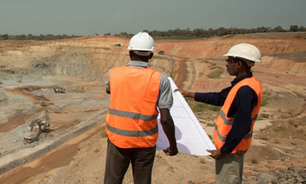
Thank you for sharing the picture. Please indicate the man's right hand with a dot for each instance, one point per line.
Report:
(169, 129)
(185, 93)
(171, 152)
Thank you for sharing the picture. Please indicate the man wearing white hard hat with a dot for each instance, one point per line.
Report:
(131, 124)
(240, 106)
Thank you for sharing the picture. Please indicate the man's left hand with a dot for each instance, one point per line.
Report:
(216, 154)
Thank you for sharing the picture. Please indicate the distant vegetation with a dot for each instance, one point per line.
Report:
(33, 37)
(169, 34)
(202, 33)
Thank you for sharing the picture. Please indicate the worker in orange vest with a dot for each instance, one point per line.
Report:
(138, 94)
(240, 105)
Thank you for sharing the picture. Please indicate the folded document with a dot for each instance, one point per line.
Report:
(191, 138)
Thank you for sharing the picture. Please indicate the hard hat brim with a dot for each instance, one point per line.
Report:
(142, 53)
(141, 49)
(243, 57)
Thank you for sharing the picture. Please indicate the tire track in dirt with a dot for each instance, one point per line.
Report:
(184, 73)
(180, 73)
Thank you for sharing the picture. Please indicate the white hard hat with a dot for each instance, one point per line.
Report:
(142, 41)
(245, 51)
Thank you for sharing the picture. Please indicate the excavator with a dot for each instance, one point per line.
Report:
(37, 127)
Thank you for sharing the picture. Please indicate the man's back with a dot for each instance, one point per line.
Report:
(131, 122)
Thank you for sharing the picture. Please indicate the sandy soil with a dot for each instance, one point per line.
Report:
(74, 151)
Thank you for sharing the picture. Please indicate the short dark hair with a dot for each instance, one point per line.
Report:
(142, 58)
(244, 61)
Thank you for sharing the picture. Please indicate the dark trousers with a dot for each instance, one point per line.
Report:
(118, 161)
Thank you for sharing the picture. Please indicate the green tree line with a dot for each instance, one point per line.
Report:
(202, 33)
(171, 34)
(33, 37)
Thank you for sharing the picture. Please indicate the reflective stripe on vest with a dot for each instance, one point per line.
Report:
(131, 119)
(132, 115)
(132, 133)
(224, 123)
(230, 122)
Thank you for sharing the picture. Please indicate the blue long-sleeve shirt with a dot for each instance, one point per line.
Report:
(241, 110)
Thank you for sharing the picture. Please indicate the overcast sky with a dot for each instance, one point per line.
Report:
(87, 17)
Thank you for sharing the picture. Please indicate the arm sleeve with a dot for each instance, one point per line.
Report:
(107, 84)
(212, 98)
(165, 98)
(245, 100)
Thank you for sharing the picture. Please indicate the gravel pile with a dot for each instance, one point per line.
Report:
(291, 175)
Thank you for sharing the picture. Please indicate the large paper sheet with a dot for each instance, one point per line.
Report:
(191, 138)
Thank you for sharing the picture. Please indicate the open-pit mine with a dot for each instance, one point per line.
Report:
(62, 82)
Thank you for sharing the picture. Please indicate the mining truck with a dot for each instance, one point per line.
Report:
(58, 89)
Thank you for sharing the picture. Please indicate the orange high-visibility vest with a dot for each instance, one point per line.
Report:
(224, 123)
(131, 121)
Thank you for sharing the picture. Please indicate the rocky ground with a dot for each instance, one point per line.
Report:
(74, 151)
